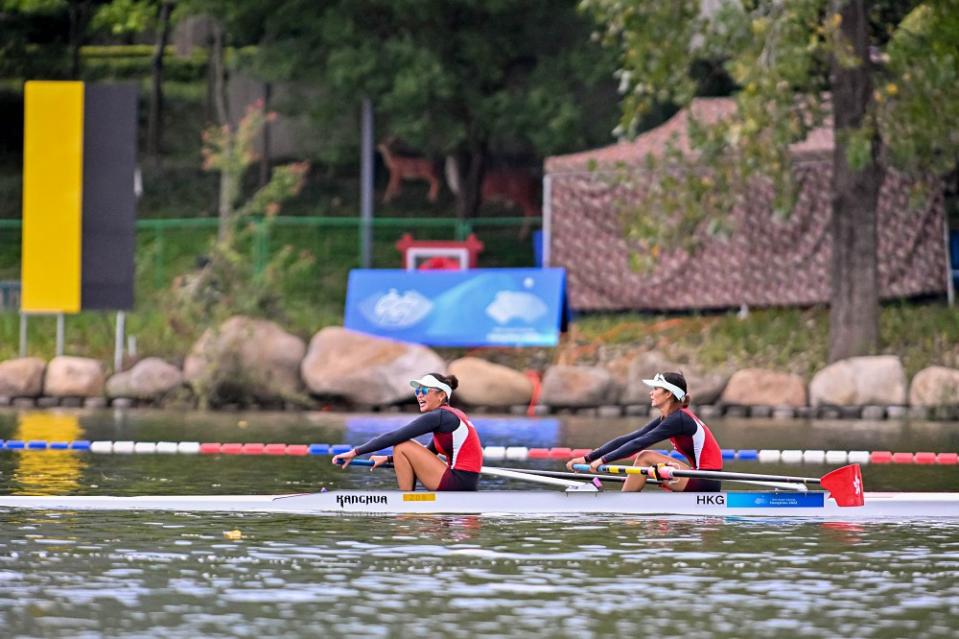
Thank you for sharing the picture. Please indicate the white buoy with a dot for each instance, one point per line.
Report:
(124, 448)
(518, 453)
(768, 456)
(836, 456)
(494, 452)
(101, 447)
(791, 456)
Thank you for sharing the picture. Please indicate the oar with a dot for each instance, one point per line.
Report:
(844, 484)
(516, 473)
(566, 475)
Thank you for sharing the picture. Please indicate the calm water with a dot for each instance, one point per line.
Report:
(180, 575)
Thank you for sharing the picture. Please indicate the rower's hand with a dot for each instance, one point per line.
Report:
(378, 460)
(595, 464)
(344, 458)
(573, 461)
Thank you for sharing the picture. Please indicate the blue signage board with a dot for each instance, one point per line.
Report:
(476, 307)
(774, 500)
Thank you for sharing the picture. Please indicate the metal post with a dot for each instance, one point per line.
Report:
(118, 342)
(158, 271)
(366, 184)
(950, 288)
(547, 216)
(60, 330)
(23, 334)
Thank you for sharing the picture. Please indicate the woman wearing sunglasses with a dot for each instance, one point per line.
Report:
(688, 434)
(453, 436)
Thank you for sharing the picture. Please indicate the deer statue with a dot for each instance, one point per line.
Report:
(512, 186)
(404, 167)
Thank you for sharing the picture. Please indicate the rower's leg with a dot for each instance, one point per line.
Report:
(651, 458)
(412, 461)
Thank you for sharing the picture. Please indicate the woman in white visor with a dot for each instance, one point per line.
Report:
(453, 436)
(675, 422)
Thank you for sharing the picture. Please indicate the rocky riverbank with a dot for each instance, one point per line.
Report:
(255, 363)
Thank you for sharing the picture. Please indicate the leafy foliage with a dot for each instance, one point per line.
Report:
(228, 282)
(448, 75)
(779, 54)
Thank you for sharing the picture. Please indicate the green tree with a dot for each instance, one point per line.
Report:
(891, 71)
(454, 78)
(121, 17)
(63, 22)
(230, 282)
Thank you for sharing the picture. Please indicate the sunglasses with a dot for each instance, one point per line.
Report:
(421, 390)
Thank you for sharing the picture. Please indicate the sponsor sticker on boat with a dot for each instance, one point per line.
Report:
(774, 500)
(419, 497)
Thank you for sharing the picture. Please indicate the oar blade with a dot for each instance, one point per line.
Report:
(845, 485)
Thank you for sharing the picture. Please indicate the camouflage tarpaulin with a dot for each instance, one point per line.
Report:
(765, 262)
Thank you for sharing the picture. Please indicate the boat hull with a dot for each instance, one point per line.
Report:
(726, 504)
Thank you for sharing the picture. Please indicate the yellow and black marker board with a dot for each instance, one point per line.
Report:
(79, 206)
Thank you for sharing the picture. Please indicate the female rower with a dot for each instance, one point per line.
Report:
(453, 436)
(688, 434)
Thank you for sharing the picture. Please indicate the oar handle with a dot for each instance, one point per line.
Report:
(362, 462)
(702, 474)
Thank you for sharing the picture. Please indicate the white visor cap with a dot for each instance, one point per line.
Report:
(658, 381)
(431, 382)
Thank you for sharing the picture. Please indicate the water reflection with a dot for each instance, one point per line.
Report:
(48, 472)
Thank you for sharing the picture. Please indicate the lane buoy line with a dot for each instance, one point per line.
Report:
(517, 453)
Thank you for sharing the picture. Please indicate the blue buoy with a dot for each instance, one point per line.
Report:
(319, 449)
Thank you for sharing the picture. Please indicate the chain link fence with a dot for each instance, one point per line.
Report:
(167, 248)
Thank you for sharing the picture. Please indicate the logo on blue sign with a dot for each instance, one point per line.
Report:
(774, 500)
(393, 310)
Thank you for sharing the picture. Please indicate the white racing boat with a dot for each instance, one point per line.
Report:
(842, 498)
(813, 504)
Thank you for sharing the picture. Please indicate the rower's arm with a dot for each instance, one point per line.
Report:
(671, 426)
(420, 426)
(619, 442)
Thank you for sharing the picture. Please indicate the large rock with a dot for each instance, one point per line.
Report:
(705, 387)
(73, 377)
(246, 359)
(761, 387)
(935, 386)
(150, 378)
(572, 386)
(483, 383)
(22, 377)
(860, 381)
(365, 369)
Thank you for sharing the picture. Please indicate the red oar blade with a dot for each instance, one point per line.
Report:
(845, 485)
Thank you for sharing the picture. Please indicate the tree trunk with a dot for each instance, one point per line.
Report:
(229, 187)
(266, 161)
(470, 167)
(155, 116)
(854, 302)
(78, 19)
